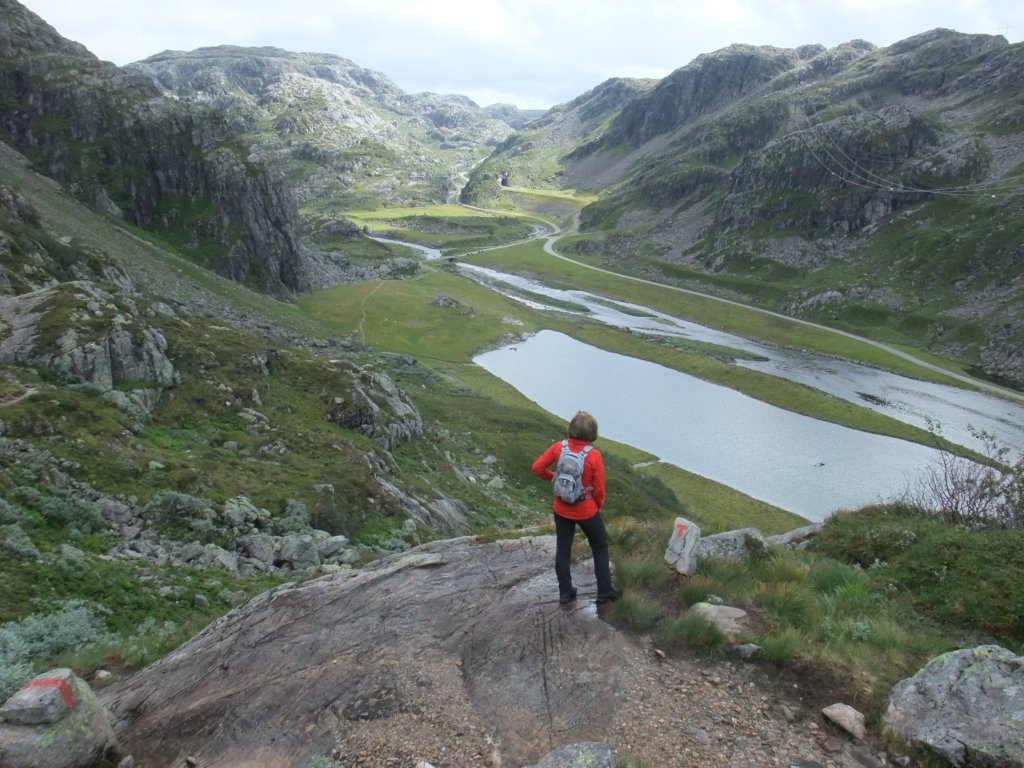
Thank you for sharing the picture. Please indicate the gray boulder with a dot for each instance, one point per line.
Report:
(240, 513)
(680, 551)
(798, 538)
(589, 754)
(731, 545)
(258, 546)
(966, 705)
(298, 552)
(730, 621)
(332, 546)
(55, 721)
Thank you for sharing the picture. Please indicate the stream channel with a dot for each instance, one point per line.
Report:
(807, 466)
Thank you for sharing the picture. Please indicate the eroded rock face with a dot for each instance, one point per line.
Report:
(279, 680)
(106, 341)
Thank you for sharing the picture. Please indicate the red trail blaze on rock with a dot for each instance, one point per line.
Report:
(54, 682)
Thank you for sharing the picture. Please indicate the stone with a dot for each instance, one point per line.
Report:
(41, 701)
(679, 553)
(729, 620)
(847, 718)
(731, 545)
(79, 738)
(115, 511)
(218, 557)
(332, 546)
(588, 754)
(259, 546)
(748, 650)
(298, 552)
(966, 705)
(465, 608)
(798, 538)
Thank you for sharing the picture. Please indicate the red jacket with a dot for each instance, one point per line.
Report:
(593, 479)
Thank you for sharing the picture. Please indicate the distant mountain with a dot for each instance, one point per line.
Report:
(880, 190)
(243, 158)
(177, 169)
(345, 136)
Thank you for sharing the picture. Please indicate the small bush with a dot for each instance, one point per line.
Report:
(174, 507)
(828, 575)
(981, 495)
(9, 514)
(634, 572)
(71, 512)
(13, 675)
(789, 604)
(697, 589)
(15, 543)
(43, 637)
(783, 566)
(295, 520)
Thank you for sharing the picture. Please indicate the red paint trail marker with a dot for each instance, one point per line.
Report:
(54, 682)
(680, 527)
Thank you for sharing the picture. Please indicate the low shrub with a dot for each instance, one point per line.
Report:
(17, 544)
(43, 637)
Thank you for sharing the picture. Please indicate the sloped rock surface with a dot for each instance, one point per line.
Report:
(967, 705)
(283, 677)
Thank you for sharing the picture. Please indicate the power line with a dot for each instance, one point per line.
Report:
(851, 171)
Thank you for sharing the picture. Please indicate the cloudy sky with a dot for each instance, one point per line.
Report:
(531, 53)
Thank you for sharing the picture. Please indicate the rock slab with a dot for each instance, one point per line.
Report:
(276, 681)
(966, 705)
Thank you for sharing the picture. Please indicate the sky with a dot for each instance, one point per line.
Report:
(530, 53)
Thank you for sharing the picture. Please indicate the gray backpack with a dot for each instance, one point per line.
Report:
(568, 480)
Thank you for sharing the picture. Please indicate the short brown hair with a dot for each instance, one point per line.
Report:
(583, 427)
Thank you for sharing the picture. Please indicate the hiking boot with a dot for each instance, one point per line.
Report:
(615, 594)
(567, 597)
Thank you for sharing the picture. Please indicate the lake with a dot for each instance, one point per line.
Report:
(804, 465)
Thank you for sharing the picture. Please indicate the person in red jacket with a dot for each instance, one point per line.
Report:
(586, 513)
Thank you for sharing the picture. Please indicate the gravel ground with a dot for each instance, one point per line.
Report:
(676, 713)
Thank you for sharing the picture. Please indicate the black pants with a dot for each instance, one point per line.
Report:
(565, 532)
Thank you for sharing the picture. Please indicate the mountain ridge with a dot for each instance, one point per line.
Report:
(813, 181)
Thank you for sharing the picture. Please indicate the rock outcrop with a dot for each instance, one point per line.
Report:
(104, 341)
(966, 705)
(279, 679)
(159, 163)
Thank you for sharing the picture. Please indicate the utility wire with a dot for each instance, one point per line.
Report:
(851, 171)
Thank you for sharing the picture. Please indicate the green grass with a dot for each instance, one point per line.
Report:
(400, 316)
(879, 593)
(716, 507)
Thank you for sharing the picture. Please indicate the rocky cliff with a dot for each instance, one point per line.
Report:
(118, 143)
